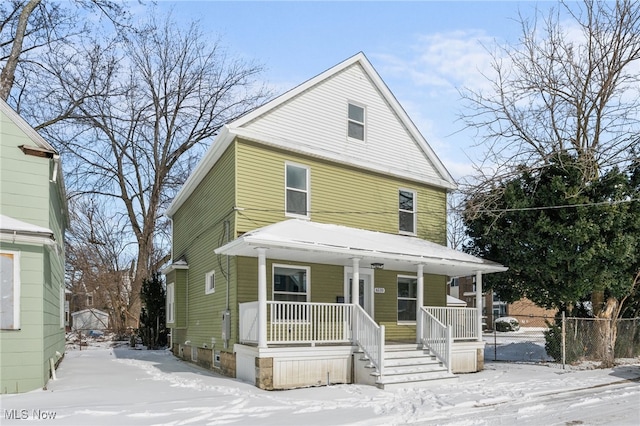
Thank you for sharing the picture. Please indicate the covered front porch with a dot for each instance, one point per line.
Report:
(325, 333)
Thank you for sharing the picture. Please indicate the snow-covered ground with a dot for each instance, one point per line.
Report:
(105, 386)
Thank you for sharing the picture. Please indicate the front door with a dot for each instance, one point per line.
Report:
(365, 289)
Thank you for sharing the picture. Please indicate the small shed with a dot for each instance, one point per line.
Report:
(89, 320)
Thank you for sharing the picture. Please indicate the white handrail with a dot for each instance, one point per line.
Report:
(369, 336)
(463, 321)
(437, 337)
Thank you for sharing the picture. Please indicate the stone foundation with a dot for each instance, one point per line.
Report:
(264, 373)
(228, 364)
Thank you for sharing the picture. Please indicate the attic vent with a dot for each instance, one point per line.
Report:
(36, 151)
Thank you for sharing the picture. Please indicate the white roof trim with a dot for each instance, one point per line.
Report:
(314, 242)
(232, 129)
(179, 264)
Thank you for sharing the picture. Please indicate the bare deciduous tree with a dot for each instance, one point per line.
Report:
(143, 108)
(99, 266)
(31, 28)
(565, 87)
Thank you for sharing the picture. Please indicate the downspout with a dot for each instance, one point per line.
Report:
(227, 231)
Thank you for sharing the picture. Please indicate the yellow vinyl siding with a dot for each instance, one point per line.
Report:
(325, 281)
(199, 228)
(386, 304)
(340, 194)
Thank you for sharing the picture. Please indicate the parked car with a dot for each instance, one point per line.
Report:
(507, 324)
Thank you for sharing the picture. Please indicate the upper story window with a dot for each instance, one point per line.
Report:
(356, 122)
(407, 211)
(210, 282)
(9, 290)
(297, 190)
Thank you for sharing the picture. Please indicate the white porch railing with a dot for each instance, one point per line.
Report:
(248, 332)
(437, 337)
(369, 336)
(463, 321)
(294, 322)
(299, 323)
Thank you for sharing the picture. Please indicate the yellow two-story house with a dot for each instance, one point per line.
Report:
(309, 245)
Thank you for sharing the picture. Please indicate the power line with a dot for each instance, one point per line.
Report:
(601, 203)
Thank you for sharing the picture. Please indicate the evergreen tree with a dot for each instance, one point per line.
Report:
(152, 317)
(564, 242)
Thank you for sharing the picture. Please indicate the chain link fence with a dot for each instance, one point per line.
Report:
(565, 341)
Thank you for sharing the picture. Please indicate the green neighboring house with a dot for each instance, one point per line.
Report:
(33, 219)
(309, 245)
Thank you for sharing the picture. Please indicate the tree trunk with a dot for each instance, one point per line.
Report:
(8, 72)
(606, 332)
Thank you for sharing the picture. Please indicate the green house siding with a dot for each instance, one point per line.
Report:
(339, 194)
(24, 179)
(28, 194)
(25, 353)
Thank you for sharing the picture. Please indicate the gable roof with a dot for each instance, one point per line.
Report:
(26, 128)
(306, 241)
(422, 164)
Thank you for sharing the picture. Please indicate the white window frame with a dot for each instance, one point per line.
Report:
(362, 123)
(398, 298)
(210, 282)
(306, 191)
(171, 296)
(273, 281)
(413, 212)
(16, 289)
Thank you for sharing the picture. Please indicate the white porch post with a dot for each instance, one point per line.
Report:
(479, 303)
(355, 282)
(419, 303)
(262, 298)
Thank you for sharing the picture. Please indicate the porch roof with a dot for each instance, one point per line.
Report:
(312, 242)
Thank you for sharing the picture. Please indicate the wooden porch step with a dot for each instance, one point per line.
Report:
(418, 380)
(410, 366)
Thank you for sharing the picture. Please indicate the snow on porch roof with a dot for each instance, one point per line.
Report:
(305, 241)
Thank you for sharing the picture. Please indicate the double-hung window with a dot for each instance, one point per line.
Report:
(210, 282)
(170, 302)
(407, 211)
(297, 190)
(355, 122)
(407, 298)
(290, 284)
(9, 290)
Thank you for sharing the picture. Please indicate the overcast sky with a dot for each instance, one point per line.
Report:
(423, 50)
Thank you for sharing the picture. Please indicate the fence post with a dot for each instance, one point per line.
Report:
(564, 340)
(495, 343)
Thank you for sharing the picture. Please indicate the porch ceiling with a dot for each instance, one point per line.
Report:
(311, 242)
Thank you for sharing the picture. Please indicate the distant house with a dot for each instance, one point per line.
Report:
(525, 311)
(309, 245)
(33, 219)
(89, 320)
